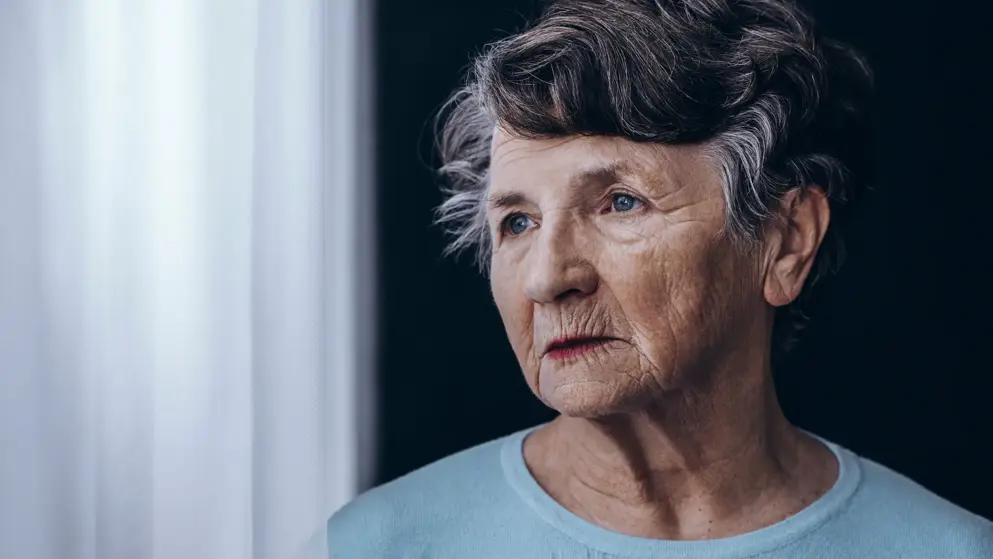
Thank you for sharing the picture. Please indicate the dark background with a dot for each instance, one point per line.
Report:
(895, 363)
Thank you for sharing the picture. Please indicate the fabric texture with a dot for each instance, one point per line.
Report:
(483, 503)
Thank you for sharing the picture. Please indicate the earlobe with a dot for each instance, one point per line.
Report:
(777, 292)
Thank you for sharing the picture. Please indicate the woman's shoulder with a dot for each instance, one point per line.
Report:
(470, 470)
(421, 502)
(906, 510)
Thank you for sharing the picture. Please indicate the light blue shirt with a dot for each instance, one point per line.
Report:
(483, 503)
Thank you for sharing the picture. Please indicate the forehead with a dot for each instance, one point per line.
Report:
(519, 163)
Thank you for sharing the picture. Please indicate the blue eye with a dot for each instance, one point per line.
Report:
(624, 203)
(517, 223)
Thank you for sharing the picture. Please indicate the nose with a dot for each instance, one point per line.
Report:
(558, 265)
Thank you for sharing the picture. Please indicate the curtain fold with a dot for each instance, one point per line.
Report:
(180, 343)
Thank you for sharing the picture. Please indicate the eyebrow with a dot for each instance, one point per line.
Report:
(596, 176)
(508, 200)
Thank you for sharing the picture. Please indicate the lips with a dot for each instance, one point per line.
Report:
(564, 348)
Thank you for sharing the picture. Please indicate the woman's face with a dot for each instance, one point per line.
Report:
(612, 247)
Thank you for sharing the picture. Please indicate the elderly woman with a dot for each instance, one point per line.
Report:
(651, 185)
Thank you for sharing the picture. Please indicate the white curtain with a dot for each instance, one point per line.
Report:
(184, 276)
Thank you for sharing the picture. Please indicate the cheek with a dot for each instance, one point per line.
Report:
(670, 295)
(515, 309)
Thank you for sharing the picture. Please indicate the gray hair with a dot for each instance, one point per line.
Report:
(777, 105)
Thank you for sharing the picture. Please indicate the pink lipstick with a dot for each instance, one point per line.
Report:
(567, 348)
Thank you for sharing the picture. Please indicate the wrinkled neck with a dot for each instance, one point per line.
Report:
(693, 458)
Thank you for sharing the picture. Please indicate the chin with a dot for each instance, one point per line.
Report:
(591, 399)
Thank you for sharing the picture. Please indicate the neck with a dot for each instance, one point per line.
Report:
(699, 463)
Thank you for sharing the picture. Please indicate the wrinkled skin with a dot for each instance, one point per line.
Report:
(661, 425)
(658, 278)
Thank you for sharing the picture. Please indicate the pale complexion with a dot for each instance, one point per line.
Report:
(669, 424)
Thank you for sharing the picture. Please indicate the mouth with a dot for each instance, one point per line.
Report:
(565, 348)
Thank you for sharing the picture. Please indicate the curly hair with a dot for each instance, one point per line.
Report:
(776, 105)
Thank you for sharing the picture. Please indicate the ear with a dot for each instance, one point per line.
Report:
(794, 240)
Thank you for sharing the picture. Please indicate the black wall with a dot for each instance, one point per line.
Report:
(895, 364)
